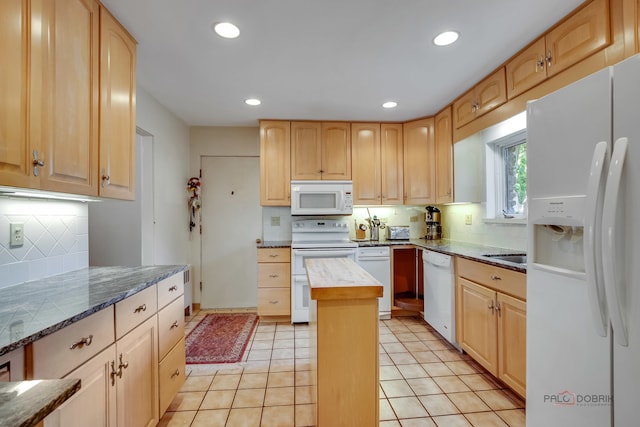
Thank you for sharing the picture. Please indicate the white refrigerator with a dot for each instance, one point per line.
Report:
(583, 276)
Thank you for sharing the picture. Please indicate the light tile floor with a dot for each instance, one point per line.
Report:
(424, 382)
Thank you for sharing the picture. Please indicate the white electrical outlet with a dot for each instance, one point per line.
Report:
(16, 234)
(275, 221)
(467, 219)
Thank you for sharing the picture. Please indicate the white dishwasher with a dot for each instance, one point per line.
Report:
(439, 295)
(376, 261)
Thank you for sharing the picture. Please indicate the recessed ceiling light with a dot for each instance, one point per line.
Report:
(252, 101)
(226, 30)
(446, 38)
(390, 104)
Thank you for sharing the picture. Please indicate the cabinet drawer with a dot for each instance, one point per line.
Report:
(55, 354)
(274, 275)
(274, 301)
(170, 326)
(135, 310)
(172, 375)
(502, 280)
(170, 289)
(274, 255)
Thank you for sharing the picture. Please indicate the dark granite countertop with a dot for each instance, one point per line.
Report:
(26, 403)
(471, 251)
(32, 310)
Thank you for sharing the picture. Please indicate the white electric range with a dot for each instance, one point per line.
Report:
(314, 238)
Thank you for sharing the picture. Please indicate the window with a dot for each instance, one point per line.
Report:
(507, 176)
(514, 160)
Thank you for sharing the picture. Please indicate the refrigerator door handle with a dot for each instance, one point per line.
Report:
(592, 256)
(609, 248)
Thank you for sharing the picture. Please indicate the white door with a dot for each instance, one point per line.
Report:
(231, 223)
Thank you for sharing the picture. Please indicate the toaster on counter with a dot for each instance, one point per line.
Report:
(397, 232)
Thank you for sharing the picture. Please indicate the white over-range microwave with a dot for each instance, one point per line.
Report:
(321, 198)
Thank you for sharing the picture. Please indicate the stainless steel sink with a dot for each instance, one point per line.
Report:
(515, 258)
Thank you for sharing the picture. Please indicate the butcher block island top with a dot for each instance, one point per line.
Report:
(343, 343)
(340, 278)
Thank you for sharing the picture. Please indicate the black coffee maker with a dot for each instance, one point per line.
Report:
(434, 229)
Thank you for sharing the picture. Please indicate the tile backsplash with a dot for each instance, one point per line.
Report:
(56, 239)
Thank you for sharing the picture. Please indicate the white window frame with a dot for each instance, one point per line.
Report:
(496, 177)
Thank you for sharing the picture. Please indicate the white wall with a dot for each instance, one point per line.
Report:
(171, 172)
(217, 141)
(56, 239)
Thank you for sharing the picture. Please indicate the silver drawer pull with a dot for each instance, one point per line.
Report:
(83, 341)
(273, 302)
(173, 288)
(494, 277)
(174, 325)
(274, 275)
(143, 307)
(176, 373)
(273, 255)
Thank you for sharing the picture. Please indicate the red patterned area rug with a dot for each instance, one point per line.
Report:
(220, 338)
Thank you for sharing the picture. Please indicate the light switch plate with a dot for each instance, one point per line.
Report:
(16, 234)
(275, 221)
(467, 219)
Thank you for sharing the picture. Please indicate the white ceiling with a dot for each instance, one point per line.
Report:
(323, 59)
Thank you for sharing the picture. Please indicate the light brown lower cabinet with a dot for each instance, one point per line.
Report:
(130, 369)
(491, 325)
(274, 281)
(95, 403)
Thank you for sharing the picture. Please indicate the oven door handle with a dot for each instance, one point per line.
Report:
(319, 252)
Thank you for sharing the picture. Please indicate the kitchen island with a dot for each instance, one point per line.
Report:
(343, 342)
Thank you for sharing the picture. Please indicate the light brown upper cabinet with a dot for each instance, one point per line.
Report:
(365, 149)
(579, 36)
(377, 169)
(306, 150)
(117, 109)
(419, 162)
(275, 163)
(392, 163)
(444, 148)
(15, 161)
(54, 143)
(61, 83)
(320, 151)
(482, 98)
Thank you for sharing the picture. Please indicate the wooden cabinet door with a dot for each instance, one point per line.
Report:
(527, 69)
(336, 151)
(64, 93)
(582, 34)
(365, 150)
(306, 150)
(464, 109)
(95, 403)
(15, 155)
(137, 387)
(392, 164)
(117, 110)
(512, 342)
(491, 92)
(419, 162)
(275, 172)
(444, 149)
(477, 332)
